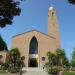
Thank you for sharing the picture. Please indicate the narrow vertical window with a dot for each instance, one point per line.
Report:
(33, 48)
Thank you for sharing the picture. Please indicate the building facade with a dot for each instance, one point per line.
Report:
(34, 45)
(3, 55)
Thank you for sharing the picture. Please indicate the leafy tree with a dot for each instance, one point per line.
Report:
(52, 64)
(71, 1)
(72, 63)
(52, 58)
(73, 55)
(60, 55)
(14, 55)
(3, 45)
(66, 62)
(15, 60)
(73, 59)
(8, 10)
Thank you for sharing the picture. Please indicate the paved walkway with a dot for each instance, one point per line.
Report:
(29, 71)
(34, 71)
(7, 74)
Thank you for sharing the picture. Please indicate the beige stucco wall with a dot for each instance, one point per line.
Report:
(3, 53)
(45, 44)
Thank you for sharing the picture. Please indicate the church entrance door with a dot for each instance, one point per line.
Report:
(33, 62)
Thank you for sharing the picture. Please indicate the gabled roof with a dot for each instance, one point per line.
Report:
(35, 31)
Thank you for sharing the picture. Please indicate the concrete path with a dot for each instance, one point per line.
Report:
(7, 74)
(34, 71)
(30, 71)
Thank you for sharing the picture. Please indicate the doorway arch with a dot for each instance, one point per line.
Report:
(33, 47)
(33, 52)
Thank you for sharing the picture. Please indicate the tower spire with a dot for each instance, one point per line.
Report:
(53, 29)
(51, 5)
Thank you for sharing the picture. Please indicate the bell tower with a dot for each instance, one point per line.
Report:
(53, 29)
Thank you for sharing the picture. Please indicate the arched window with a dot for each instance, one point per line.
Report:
(33, 47)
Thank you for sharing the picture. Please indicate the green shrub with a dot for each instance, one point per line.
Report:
(13, 70)
(48, 69)
(5, 66)
(55, 70)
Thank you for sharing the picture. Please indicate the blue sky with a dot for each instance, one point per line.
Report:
(34, 15)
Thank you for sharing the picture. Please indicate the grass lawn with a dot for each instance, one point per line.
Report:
(68, 73)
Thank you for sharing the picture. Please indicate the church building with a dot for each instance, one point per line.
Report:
(34, 45)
